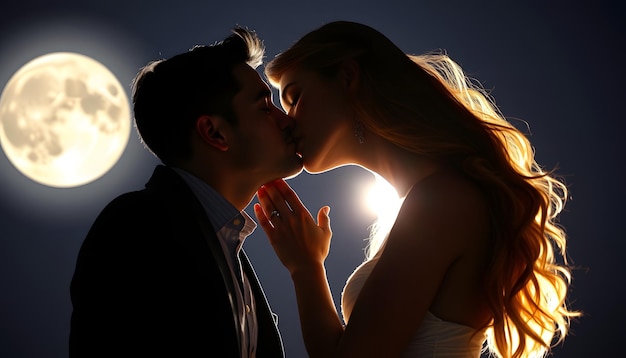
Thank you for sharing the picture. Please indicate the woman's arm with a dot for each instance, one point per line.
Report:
(302, 246)
(433, 229)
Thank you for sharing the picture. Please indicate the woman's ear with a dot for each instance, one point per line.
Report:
(211, 131)
(349, 74)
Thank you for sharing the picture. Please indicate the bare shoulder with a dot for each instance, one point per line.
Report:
(448, 190)
(439, 243)
(447, 205)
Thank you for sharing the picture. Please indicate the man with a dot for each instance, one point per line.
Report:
(161, 272)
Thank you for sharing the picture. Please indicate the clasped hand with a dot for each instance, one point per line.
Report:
(297, 239)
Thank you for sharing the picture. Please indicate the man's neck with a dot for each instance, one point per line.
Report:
(234, 187)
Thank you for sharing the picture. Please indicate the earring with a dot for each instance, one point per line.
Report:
(359, 132)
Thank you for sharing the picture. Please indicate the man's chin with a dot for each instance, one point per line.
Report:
(317, 170)
(294, 174)
(293, 169)
(310, 171)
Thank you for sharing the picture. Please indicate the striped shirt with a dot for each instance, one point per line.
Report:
(232, 227)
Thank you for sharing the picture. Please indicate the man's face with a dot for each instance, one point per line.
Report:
(261, 142)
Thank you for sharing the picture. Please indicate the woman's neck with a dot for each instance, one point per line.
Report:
(401, 168)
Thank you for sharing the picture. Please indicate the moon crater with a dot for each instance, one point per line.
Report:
(65, 119)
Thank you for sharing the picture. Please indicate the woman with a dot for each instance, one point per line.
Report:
(470, 256)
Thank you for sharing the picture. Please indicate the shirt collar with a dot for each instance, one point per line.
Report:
(219, 210)
(241, 226)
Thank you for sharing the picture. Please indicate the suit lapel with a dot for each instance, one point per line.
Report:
(270, 342)
(201, 242)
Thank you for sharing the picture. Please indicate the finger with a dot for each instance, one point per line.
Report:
(278, 199)
(269, 201)
(262, 218)
(290, 196)
(323, 219)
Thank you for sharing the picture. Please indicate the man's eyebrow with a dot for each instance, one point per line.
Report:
(263, 94)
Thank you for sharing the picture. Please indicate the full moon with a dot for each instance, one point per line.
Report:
(64, 120)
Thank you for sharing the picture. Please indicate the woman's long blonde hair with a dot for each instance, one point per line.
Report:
(426, 104)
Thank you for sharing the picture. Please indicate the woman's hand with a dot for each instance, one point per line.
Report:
(298, 241)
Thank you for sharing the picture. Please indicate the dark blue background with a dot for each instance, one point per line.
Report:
(555, 64)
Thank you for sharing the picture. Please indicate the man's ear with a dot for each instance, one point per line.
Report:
(349, 74)
(211, 130)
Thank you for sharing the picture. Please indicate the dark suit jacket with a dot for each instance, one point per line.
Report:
(150, 282)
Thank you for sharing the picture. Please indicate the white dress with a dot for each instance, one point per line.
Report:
(435, 338)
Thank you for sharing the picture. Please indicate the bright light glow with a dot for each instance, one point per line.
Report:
(383, 201)
(64, 119)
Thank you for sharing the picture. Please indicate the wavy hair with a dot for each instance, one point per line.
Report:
(427, 105)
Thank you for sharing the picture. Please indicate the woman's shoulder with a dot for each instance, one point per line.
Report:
(448, 203)
(446, 191)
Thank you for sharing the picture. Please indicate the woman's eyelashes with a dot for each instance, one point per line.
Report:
(294, 100)
(291, 103)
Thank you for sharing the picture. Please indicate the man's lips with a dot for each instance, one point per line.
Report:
(297, 148)
(290, 139)
(296, 140)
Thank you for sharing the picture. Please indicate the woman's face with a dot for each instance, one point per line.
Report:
(324, 124)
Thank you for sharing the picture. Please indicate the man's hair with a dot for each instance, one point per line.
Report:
(169, 95)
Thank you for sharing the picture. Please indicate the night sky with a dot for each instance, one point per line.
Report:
(556, 66)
